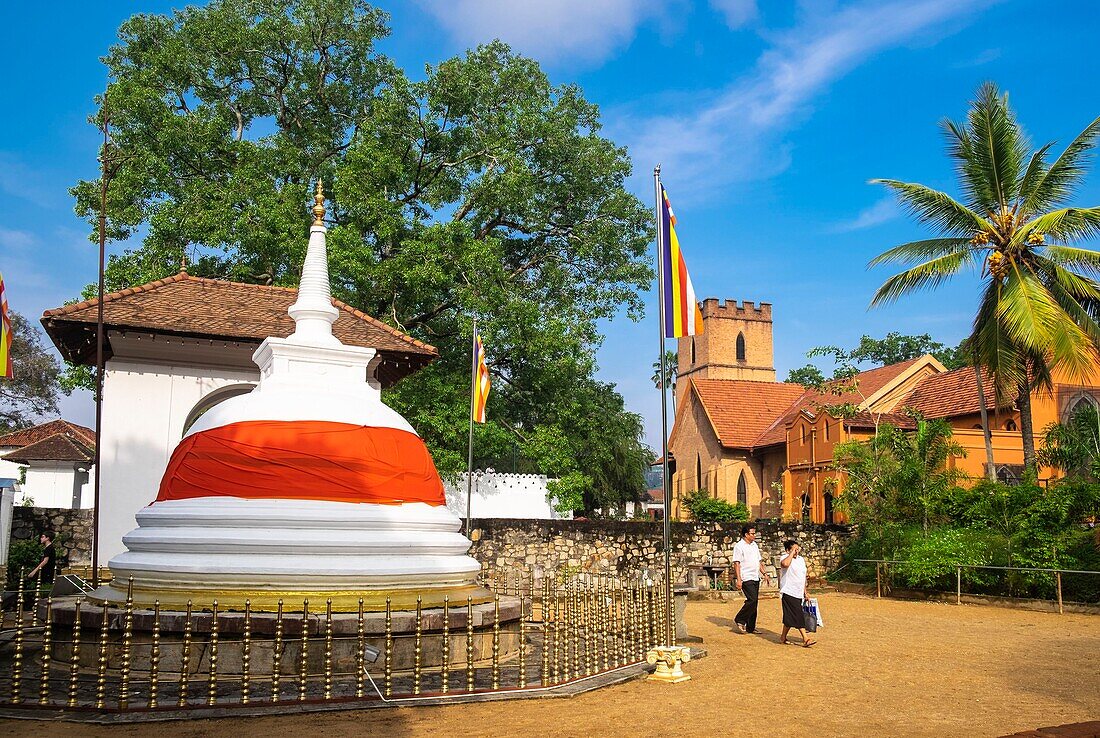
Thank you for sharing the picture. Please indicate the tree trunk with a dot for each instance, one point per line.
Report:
(1027, 432)
(990, 470)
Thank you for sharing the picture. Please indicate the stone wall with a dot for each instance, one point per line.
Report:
(608, 546)
(71, 528)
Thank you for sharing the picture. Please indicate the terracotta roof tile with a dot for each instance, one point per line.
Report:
(869, 382)
(950, 394)
(211, 308)
(58, 447)
(27, 436)
(870, 420)
(740, 409)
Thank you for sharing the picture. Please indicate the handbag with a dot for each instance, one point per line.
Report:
(812, 614)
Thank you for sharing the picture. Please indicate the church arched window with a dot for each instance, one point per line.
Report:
(693, 350)
(742, 490)
(741, 347)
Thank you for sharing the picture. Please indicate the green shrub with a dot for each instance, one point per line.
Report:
(22, 556)
(704, 508)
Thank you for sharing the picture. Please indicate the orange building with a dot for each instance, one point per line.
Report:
(744, 437)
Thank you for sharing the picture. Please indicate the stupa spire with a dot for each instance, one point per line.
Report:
(313, 311)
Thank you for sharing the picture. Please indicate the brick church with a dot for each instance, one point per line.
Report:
(744, 437)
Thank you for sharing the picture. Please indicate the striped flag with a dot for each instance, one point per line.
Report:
(682, 314)
(481, 381)
(6, 369)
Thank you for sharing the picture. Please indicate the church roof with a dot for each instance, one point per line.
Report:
(58, 447)
(950, 394)
(748, 414)
(195, 307)
(740, 410)
(27, 436)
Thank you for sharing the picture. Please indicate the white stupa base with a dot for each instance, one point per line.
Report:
(232, 550)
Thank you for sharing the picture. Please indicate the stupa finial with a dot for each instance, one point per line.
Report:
(319, 205)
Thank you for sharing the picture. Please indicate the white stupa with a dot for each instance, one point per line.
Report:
(309, 487)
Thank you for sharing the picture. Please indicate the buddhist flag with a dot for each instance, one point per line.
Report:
(682, 314)
(481, 380)
(5, 334)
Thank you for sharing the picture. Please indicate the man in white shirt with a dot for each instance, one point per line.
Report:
(747, 572)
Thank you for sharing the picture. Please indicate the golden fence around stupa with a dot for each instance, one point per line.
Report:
(569, 628)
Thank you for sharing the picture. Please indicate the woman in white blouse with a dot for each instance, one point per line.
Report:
(792, 588)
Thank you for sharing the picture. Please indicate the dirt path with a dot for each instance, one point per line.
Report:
(881, 668)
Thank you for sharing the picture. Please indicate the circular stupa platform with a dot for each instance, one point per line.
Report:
(262, 627)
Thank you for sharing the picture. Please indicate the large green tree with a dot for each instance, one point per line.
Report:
(480, 188)
(1039, 305)
(33, 390)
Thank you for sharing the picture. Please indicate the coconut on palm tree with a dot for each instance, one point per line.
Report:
(1040, 300)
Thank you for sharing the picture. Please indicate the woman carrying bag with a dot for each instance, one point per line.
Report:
(792, 589)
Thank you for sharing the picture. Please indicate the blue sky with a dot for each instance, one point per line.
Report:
(767, 117)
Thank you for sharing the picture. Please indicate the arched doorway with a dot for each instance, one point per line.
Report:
(212, 399)
(828, 508)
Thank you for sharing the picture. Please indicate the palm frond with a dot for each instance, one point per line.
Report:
(991, 348)
(1065, 174)
(935, 208)
(997, 144)
(1070, 256)
(1036, 324)
(1065, 225)
(1035, 172)
(925, 249)
(927, 275)
(971, 176)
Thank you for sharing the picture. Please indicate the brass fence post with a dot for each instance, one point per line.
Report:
(544, 675)
(185, 658)
(154, 656)
(303, 665)
(212, 684)
(496, 643)
(328, 650)
(469, 644)
(575, 626)
(127, 642)
(445, 648)
(360, 651)
(388, 667)
(37, 597)
(101, 674)
(74, 656)
(246, 654)
(277, 652)
(522, 644)
(417, 631)
(17, 658)
(47, 633)
(555, 662)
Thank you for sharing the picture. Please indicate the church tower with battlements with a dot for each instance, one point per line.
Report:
(736, 343)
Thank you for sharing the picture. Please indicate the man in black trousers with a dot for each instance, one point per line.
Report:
(747, 572)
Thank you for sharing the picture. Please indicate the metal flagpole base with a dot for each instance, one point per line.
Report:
(668, 660)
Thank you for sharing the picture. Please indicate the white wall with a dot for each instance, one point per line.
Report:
(9, 469)
(50, 483)
(503, 496)
(149, 388)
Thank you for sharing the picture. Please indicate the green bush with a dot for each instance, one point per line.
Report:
(704, 508)
(22, 556)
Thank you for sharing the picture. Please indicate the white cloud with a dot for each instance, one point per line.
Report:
(738, 13)
(882, 211)
(548, 30)
(735, 134)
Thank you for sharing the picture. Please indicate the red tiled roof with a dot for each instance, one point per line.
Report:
(741, 409)
(870, 420)
(58, 447)
(950, 394)
(27, 436)
(868, 383)
(233, 311)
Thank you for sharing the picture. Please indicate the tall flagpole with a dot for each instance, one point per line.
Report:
(470, 459)
(670, 633)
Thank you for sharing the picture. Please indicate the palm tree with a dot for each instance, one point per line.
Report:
(671, 364)
(1074, 446)
(923, 471)
(1040, 300)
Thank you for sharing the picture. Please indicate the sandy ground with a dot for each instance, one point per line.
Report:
(880, 668)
